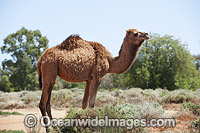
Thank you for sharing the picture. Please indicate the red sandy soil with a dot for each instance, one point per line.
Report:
(16, 122)
(183, 122)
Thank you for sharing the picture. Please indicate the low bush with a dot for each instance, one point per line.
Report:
(132, 95)
(104, 98)
(73, 97)
(195, 108)
(101, 112)
(151, 110)
(128, 110)
(11, 131)
(61, 98)
(195, 126)
(180, 96)
(185, 116)
(9, 113)
(153, 94)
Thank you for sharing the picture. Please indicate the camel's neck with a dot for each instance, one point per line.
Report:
(126, 58)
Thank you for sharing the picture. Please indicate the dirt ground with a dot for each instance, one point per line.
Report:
(183, 120)
(15, 122)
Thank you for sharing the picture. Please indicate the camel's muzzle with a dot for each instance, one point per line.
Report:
(145, 36)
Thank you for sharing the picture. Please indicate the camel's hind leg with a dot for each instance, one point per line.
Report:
(44, 99)
(93, 91)
(49, 74)
(48, 106)
(86, 95)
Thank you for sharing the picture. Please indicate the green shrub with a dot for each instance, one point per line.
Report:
(118, 111)
(61, 97)
(149, 94)
(101, 112)
(151, 110)
(146, 110)
(132, 95)
(128, 110)
(104, 98)
(114, 89)
(11, 131)
(9, 113)
(165, 92)
(69, 85)
(180, 96)
(116, 92)
(28, 100)
(5, 84)
(195, 126)
(192, 107)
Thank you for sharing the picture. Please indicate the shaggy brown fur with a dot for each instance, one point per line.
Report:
(77, 60)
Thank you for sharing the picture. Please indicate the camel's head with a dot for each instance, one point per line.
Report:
(136, 37)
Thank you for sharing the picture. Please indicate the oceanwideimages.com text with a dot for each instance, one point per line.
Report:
(101, 122)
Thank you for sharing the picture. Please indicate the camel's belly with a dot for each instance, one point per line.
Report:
(76, 66)
(74, 76)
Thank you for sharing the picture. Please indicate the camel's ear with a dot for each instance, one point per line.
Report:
(128, 32)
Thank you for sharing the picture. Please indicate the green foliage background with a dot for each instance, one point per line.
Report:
(20, 72)
(163, 62)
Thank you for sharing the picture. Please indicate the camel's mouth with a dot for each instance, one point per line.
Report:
(145, 36)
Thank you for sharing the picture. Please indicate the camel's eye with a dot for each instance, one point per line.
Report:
(135, 33)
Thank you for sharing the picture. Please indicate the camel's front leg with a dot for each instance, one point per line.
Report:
(93, 91)
(86, 95)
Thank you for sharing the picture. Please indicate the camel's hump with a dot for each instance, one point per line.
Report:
(73, 37)
(70, 42)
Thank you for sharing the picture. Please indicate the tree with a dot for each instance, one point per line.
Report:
(5, 84)
(25, 47)
(197, 61)
(164, 62)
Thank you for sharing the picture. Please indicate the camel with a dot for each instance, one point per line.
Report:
(78, 60)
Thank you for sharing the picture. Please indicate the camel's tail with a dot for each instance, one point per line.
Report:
(39, 73)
